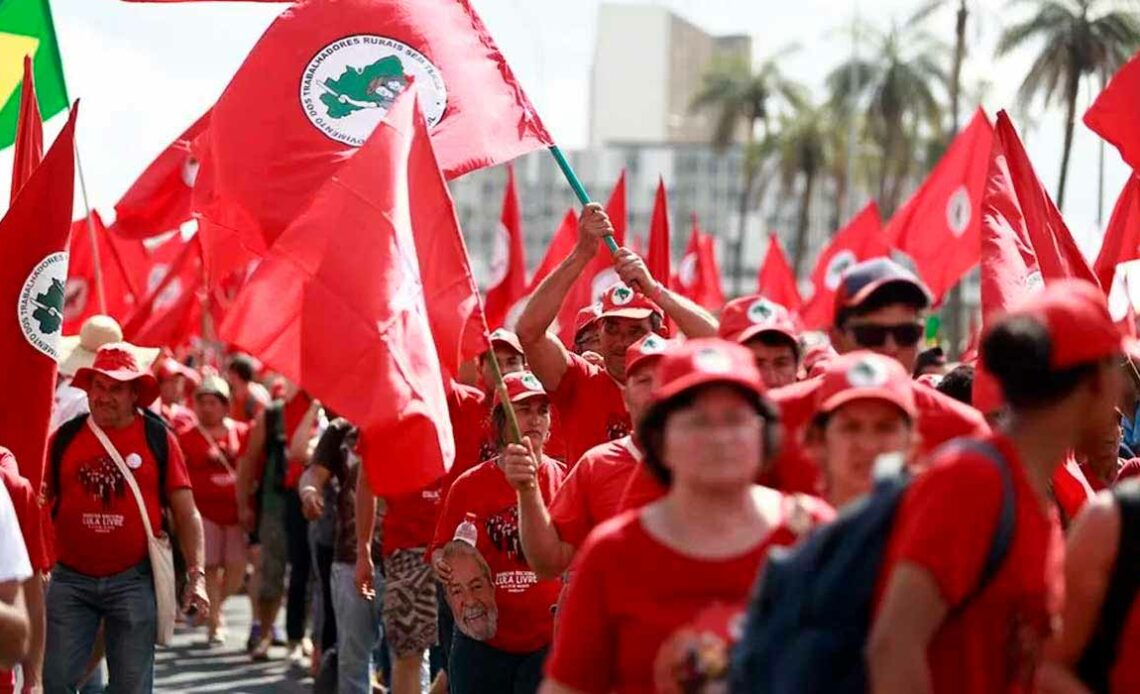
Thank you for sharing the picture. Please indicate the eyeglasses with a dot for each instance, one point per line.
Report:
(874, 335)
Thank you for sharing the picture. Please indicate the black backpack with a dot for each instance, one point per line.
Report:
(156, 440)
(1096, 663)
(807, 624)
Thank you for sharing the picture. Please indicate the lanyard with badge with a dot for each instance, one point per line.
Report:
(216, 450)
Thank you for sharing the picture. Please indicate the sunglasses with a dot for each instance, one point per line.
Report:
(872, 335)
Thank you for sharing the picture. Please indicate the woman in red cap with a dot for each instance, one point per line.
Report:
(657, 588)
(504, 617)
(941, 627)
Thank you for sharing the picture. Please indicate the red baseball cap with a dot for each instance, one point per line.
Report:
(703, 361)
(521, 385)
(744, 318)
(863, 279)
(647, 350)
(503, 336)
(117, 361)
(1076, 316)
(586, 317)
(864, 375)
(170, 368)
(817, 357)
(619, 301)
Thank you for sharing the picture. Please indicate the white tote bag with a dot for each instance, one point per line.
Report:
(161, 555)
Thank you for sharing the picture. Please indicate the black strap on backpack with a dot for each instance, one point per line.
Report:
(1100, 654)
(275, 447)
(155, 430)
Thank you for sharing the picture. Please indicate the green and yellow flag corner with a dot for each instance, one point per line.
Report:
(26, 29)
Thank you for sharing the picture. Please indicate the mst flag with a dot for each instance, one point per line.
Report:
(776, 281)
(658, 258)
(33, 243)
(320, 80)
(508, 259)
(26, 29)
(29, 134)
(698, 276)
(351, 318)
(560, 246)
(940, 226)
(122, 264)
(1115, 115)
(1122, 237)
(862, 239)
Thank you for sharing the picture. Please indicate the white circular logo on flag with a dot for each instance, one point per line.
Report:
(39, 307)
(351, 83)
(1035, 281)
(500, 256)
(687, 273)
(836, 268)
(959, 211)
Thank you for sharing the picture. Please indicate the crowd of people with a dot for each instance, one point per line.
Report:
(614, 505)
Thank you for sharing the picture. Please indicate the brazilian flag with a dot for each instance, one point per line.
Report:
(26, 29)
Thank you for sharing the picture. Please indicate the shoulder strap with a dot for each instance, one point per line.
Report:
(215, 448)
(1003, 534)
(63, 438)
(158, 441)
(124, 471)
(1101, 651)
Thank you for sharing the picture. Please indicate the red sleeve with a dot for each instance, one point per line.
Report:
(793, 471)
(947, 521)
(177, 477)
(584, 653)
(577, 371)
(569, 510)
(1071, 493)
(941, 418)
(448, 516)
(30, 518)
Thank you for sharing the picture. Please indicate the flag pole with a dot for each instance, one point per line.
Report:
(514, 433)
(579, 189)
(99, 292)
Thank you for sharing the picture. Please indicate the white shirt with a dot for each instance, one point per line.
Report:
(14, 562)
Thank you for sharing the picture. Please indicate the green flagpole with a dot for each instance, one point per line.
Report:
(579, 189)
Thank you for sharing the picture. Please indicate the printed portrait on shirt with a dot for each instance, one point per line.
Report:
(471, 591)
(696, 657)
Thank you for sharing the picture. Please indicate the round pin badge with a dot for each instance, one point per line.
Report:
(134, 461)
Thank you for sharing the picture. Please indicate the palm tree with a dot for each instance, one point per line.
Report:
(1078, 38)
(804, 143)
(741, 97)
(899, 84)
(961, 16)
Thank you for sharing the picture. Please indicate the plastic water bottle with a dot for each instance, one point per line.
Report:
(466, 531)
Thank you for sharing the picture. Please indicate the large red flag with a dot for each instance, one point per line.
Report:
(600, 273)
(1115, 115)
(351, 310)
(33, 243)
(120, 261)
(319, 81)
(862, 239)
(560, 246)
(698, 275)
(658, 258)
(940, 226)
(159, 201)
(776, 281)
(29, 133)
(1122, 237)
(166, 316)
(508, 261)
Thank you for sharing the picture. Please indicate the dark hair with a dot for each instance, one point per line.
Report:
(959, 384)
(655, 322)
(927, 358)
(499, 426)
(771, 338)
(651, 430)
(242, 365)
(889, 294)
(1017, 351)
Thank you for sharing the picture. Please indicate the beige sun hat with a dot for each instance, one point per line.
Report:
(78, 351)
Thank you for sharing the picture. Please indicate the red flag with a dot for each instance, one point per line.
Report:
(776, 281)
(600, 273)
(940, 226)
(1115, 115)
(29, 133)
(862, 239)
(1122, 238)
(698, 276)
(159, 201)
(320, 80)
(508, 263)
(658, 259)
(351, 321)
(33, 243)
(120, 262)
(560, 246)
(165, 317)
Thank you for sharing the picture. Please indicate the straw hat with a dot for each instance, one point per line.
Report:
(78, 351)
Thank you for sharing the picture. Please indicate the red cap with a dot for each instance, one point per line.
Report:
(116, 361)
(865, 375)
(169, 368)
(744, 318)
(619, 301)
(503, 336)
(817, 357)
(1076, 316)
(647, 350)
(703, 361)
(586, 317)
(863, 279)
(521, 385)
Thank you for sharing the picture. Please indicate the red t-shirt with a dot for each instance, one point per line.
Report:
(1124, 677)
(470, 411)
(245, 408)
(634, 604)
(98, 530)
(26, 502)
(590, 408)
(215, 487)
(940, 419)
(526, 622)
(1071, 489)
(409, 522)
(593, 491)
(180, 417)
(945, 524)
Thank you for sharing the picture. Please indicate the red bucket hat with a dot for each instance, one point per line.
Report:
(744, 318)
(865, 375)
(521, 385)
(619, 301)
(648, 350)
(117, 361)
